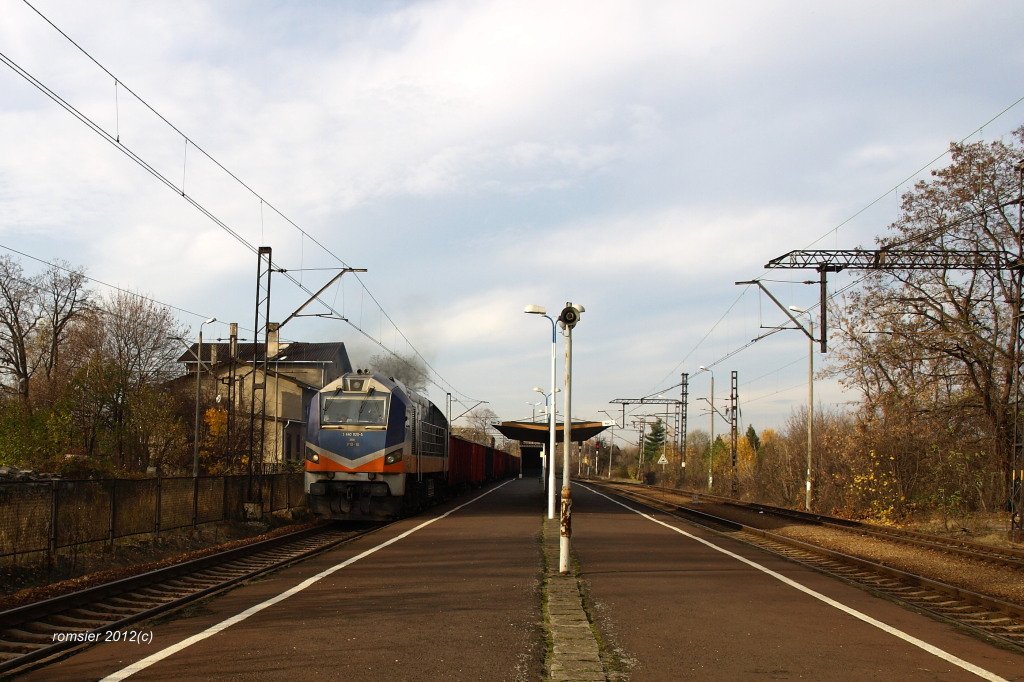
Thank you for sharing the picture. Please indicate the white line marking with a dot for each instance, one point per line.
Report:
(934, 650)
(225, 624)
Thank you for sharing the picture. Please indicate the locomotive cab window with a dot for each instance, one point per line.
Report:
(355, 409)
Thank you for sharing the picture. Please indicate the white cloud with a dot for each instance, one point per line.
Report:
(681, 242)
(477, 156)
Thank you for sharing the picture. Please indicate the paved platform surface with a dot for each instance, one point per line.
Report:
(456, 600)
(676, 609)
(471, 591)
(574, 653)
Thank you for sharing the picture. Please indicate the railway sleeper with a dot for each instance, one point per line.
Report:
(223, 574)
(158, 589)
(136, 604)
(24, 636)
(19, 647)
(187, 583)
(6, 656)
(92, 614)
(112, 609)
(68, 619)
(962, 610)
(935, 599)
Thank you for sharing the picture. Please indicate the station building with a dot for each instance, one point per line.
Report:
(294, 372)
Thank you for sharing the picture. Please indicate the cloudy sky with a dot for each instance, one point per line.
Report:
(474, 157)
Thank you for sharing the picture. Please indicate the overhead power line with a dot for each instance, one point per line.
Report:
(102, 283)
(832, 296)
(114, 139)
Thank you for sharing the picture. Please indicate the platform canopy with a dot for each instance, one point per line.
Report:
(537, 432)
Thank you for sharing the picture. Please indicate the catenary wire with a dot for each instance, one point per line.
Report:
(210, 215)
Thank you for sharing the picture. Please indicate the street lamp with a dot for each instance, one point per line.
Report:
(611, 442)
(711, 443)
(568, 319)
(550, 459)
(810, 398)
(534, 406)
(199, 369)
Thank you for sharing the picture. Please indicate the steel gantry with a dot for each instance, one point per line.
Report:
(678, 410)
(902, 260)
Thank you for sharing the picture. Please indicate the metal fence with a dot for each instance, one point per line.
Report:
(45, 516)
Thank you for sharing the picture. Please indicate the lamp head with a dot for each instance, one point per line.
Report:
(535, 310)
(211, 320)
(795, 309)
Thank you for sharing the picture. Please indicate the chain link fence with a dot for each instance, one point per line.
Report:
(45, 516)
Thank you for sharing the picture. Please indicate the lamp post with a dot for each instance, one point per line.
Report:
(199, 369)
(550, 459)
(810, 399)
(568, 319)
(534, 406)
(711, 444)
(611, 442)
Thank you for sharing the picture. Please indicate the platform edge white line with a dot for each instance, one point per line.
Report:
(910, 639)
(224, 624)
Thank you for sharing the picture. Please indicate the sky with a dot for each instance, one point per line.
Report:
(637, 158)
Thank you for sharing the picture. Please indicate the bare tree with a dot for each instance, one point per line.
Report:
(64, 296)
(139, 349)
(479, 429)
(35, 315)
(20, 318)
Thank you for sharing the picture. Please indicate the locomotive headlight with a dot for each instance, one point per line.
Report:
(312, 456)
(393, 457)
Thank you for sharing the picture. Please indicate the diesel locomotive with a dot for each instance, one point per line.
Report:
(377, 450)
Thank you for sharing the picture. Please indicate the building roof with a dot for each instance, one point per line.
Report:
(295, 352)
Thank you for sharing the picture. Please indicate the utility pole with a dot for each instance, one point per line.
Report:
(734, 399)
(683, 399)
(568, 319)
(711, 416)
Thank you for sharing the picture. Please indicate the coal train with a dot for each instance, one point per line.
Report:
(377, 450)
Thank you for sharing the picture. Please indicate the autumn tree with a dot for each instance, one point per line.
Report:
(934, 348)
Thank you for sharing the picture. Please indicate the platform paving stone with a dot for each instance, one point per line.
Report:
(575, 655)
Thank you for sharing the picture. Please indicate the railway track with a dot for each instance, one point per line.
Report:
(987, 617)
(35, 634)
(1013, 558)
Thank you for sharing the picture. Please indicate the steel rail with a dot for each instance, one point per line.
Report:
(983, 615)
(28, 634)
(1010, 557)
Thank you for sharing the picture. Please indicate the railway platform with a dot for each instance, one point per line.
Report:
(470, 591)
(452, 594)
(673, 601)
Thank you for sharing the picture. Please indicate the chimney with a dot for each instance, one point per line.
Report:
(233, 341)
(273, 339)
